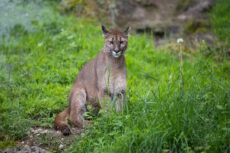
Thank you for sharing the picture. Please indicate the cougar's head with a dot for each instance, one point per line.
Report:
(116, 42)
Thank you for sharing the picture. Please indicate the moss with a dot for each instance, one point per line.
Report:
(68, 5)
(5, 142)
(196, 26)
(184, 4)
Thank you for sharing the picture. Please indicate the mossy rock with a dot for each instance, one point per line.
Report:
(196, 26)
(184, 4)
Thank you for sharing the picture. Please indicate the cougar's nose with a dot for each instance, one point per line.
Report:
(116, 49)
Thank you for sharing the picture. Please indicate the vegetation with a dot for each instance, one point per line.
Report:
(38, 67)
(221, 20)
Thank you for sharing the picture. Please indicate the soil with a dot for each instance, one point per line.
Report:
(41, 140)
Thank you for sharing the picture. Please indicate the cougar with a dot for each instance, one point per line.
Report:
(102, 78)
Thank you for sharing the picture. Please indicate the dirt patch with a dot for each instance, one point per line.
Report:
(25, 149)
(41, 140)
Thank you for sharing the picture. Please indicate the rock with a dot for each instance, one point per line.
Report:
(196, 11)
(14, 150)
(161, 18)
(201, 6)
(25, 149)
(37, 150)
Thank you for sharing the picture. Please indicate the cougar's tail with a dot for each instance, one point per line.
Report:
(60, 122)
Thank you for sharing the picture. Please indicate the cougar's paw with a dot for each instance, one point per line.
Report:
(66, 131)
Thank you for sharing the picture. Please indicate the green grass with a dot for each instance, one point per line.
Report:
(220, 20)
(38, 68)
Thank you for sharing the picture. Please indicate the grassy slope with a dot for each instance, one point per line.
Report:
(220, 20)
(38, 69)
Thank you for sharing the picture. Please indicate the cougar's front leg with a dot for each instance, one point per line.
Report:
(103, 99)
(120, 100)
(77, 107)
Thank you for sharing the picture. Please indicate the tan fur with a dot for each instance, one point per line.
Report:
(104, 77)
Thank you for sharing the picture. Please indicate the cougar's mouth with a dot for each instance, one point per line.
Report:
(116, 54)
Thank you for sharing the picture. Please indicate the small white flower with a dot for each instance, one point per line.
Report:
(180, 40)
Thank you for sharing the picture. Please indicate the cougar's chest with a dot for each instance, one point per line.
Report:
(115, 82)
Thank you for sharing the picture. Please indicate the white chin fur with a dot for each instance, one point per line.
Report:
(116, 55)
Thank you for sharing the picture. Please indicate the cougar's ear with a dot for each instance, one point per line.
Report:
(104, 30)
(127, 30)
